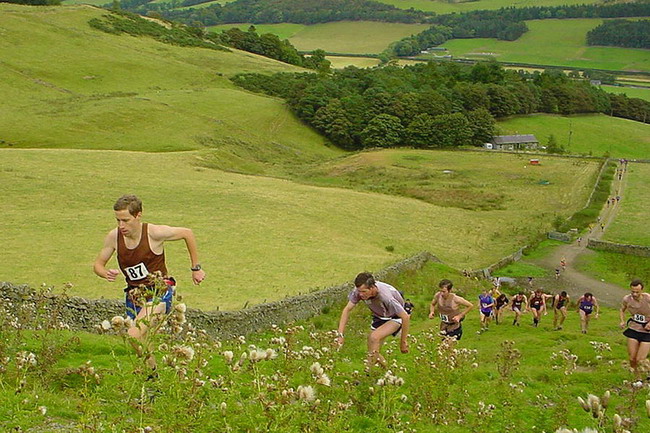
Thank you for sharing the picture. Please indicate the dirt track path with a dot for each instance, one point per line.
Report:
(572, 280)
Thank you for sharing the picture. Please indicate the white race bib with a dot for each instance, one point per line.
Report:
(639, 318)
(444, 318)
(137, 272)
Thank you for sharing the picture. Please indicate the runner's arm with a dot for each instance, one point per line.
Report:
(432, 307)
(343, 321)
(99, 267)
(621, 313)
(163, 233)
(462, 314)
(597, 306)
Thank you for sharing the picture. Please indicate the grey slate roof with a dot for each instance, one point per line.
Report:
(514, 139)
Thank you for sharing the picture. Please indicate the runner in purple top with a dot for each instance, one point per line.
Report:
(586, 305)
(388, 315)
(486, 302)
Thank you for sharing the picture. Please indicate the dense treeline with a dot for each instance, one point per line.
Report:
(280, 11)
(621, 33)
(272, 46)
(34, 2)
(268, 45)
(431, 105)
(505, 23)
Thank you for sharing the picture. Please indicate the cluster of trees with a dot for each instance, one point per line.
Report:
(279, 11)
(621, 33)
(431, 105)
(504, 24)
(272, 46)
(268, 45)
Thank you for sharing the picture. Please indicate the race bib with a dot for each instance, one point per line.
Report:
(444, 318)
(137, 272)
(639, 318)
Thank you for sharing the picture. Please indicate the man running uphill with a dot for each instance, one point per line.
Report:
(140, 253)
(388, 315)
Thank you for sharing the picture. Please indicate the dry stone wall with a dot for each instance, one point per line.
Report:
(633, 250)
(84, 314)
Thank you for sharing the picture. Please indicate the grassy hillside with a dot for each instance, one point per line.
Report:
(554, 42)
(589, 134)
(264, 238)
(631, 224)
(68, 85)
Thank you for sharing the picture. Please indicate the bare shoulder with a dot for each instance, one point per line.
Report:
(160, 232)
(111, 237)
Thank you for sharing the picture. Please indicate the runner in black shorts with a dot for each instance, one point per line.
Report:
(560, 304)
(536, 305)
(519, 305)
(500, 302)
(637, 304)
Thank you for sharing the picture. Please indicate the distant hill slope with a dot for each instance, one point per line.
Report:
(65, 84)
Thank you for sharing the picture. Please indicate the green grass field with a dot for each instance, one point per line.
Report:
(445, 7)
(631, 223)
(631, 92)
(355, 37)
(488, 387)
(285, 237)
(554, 42)
(590, 133)
(358, 37)
(339, 62)
(283, 31)
(615, 268)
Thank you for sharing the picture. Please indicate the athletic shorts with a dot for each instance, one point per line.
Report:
(643, 337)
(587, 312)
(537, 307)
(132, 310)
(487, 313)
(456, 333)
(378, 321)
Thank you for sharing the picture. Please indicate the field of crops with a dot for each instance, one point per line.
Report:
(588, 134)
(554, 42)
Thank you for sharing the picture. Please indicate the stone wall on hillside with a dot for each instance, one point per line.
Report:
(84, 314)
(487, 272)
(633, 250)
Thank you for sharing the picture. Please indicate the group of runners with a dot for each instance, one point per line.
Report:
(140, 254)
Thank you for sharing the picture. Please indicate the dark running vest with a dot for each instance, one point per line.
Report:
(138, 263)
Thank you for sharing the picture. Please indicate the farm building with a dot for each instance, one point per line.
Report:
(513, 142)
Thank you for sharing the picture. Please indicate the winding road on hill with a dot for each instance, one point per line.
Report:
(571, 279)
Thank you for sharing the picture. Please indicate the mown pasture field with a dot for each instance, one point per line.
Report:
(346, 37)
(339, 62)
(283, 30)
(631, 223)
(590, 134)
(353, 37)
(614, 268)
(630, 92)
(530, 383)
(445, 7)
(554, 42)
(264, 238)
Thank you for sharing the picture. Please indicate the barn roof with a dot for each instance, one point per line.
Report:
(514, 139)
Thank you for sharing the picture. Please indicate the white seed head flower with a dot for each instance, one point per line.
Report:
(316, 369)
(647, 407)
(323, 380)
(223, 407)
(184, 352)
(42, 410)
(584, 404)
(604, 401)
(228, 355)
(117, 322)
(594, 402)
(271, 354)
(180, 307)
(618, 421)
(306, 393)
(106, 325)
